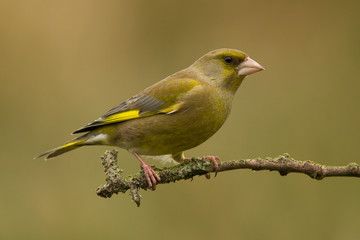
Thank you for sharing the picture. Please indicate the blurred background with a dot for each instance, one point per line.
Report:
(65, 63)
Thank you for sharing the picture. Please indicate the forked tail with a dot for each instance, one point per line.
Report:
(73, 144)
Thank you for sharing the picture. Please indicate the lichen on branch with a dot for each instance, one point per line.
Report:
(284, 164)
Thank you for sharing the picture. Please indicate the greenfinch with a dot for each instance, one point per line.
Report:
(173, 115)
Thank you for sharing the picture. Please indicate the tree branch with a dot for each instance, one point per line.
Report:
(284, 164)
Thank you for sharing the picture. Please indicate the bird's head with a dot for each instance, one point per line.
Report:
(227, 67)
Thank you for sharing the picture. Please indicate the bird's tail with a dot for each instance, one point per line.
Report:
(71, 145)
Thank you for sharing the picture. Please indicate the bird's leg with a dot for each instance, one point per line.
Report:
(180, 157)
(150, 174)
(214, 160)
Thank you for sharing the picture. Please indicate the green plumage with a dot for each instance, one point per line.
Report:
(175, 114)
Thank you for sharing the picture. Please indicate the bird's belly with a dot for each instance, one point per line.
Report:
(167, 133)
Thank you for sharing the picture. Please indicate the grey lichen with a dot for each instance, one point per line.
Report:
(284, 164)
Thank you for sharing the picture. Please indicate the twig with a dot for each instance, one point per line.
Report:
(284, 164)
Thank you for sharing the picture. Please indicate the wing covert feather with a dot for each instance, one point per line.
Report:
(163, 97)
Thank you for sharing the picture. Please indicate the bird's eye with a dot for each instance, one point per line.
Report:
(228, 59)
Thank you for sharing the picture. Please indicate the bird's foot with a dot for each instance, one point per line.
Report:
(180, 157)
(150, 174)
(214, 160)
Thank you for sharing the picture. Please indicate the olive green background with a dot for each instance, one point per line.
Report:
(65, 63)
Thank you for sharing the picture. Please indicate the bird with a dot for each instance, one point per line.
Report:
(175, 114)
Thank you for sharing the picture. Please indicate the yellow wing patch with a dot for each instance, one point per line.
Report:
(132, 114)
(123, 116)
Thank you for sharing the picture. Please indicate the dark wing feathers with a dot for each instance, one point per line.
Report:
(168, 93)
(144, 104)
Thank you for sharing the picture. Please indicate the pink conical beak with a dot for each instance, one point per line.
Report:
(249, 66)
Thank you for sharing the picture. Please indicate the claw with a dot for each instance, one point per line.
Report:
(214, 160)
(151, 176)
